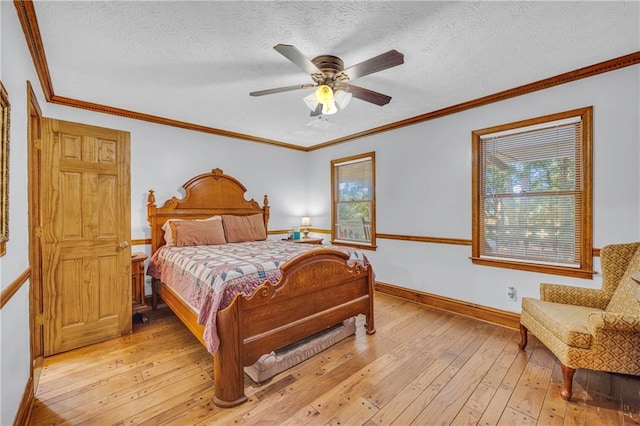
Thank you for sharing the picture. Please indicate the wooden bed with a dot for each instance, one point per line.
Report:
(316, 290)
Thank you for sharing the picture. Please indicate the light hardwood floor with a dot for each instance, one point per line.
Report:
(423, 366)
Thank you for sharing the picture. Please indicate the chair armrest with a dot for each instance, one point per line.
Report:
(569, 295)
(613, 322)
(615, 258)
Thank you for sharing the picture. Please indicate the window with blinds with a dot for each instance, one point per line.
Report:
(353, 195)
(532, 194)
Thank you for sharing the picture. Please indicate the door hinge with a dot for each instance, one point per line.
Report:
(37, 143)
(38, 232)
(40, 319)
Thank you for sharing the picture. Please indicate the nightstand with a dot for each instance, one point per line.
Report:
(139, 306)
(308, 241)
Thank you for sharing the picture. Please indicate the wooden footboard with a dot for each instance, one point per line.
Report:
(317, 290)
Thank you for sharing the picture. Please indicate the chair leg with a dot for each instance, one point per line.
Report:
(567, 386)
(523, 337)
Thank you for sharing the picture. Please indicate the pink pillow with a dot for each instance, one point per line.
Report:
(238, 229)
(197, 233)
(168, 237)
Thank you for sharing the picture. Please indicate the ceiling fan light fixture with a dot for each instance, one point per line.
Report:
(324, 94)
(329, 109)
(311, 101)
(342, 98)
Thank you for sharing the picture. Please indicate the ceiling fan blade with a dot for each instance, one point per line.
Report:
(281, 89)
(381, 62)
(368, 95)
(295, 56)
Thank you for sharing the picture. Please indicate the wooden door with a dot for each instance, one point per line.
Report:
(86, 228)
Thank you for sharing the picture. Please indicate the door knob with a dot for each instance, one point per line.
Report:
(124, 244)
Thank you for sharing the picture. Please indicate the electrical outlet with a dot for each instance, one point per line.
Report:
(512, 293)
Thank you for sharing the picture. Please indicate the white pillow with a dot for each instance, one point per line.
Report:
(168, 236)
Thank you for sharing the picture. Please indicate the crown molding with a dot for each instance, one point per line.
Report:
(29, 22)
(567, 77)
(90, 106)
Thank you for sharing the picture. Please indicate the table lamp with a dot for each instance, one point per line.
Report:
(305, 223)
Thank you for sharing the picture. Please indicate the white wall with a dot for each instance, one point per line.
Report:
(423, 187)
(16, 67)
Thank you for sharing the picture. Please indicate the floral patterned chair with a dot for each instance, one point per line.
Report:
(596, 329)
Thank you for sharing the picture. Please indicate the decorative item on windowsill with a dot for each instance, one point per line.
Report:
(305, 223)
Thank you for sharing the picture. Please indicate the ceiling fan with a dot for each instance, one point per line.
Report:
(332, 80)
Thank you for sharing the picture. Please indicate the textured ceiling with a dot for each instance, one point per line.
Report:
(198, 61)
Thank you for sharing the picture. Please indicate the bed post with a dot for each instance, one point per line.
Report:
(151, 218)
(371, 328)
(265, 212)
(228, 372)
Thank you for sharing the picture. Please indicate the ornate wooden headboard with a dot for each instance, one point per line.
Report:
(206, 195)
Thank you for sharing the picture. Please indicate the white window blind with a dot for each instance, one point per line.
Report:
(531, 186)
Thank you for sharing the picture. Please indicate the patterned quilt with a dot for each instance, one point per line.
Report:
(208, 277)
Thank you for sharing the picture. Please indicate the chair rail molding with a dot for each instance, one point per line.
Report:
(8, 292)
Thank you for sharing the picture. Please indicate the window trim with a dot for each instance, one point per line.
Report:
(334, 198)
(585, 269)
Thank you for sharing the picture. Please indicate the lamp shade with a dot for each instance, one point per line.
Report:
(311, 101)
(324, 94)
(342, 98)
(328, 109)
(305, 221)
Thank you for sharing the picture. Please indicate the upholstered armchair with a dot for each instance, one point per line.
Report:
(596, 329)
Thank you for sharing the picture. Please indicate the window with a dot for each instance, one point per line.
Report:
(353, 198)
(532, 195)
